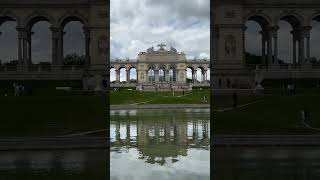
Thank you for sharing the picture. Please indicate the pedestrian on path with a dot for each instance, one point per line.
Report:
(235, 99)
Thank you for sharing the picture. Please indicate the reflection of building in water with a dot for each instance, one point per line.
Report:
(71, 161)
(157, 140)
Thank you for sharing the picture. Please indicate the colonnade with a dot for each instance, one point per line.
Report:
(204, 75)
(166, 132)
(161, 75)
(25, 45)
(301, 38)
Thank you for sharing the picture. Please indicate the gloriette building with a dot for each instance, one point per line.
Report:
(161, 70)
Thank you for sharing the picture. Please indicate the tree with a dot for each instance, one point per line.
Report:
(252, 58)
(74, 59)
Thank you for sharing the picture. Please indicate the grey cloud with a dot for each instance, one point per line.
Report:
(139, 24)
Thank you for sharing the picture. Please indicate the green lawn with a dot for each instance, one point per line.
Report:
(47, 116)
(275, 115)
(125, 97)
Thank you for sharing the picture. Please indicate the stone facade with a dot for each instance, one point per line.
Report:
(229, 19)
(162, 69)
(93, 14)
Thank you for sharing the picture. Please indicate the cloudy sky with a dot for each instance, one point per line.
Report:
(139, 24)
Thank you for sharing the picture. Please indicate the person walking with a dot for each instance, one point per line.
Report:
(235, 99)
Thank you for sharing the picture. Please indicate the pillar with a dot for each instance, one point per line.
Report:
(21, 55)
(128, 75)
(57, 46)
(29, 47)
(301, 47)
(156, 74)
(195, 76)
(294, 46)
(263, 53)
(307, 36)
(275, 45)
(205, 75)
(60, 47)
(87, 44)
(269, 50)
(167, 78)
(117, 75)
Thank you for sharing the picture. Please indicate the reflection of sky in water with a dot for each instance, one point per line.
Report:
(42, 160)
(7, 161)
(53, 163)
(73, 160)
(269, 163)
(169, 145)
(128, 166)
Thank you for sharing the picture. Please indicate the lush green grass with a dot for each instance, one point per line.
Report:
(124, 96)
(42, 116)
(275, 115)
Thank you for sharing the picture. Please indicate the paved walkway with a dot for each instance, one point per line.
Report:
(53, 143)
(239, 106)
(83, 133)
(265, 140)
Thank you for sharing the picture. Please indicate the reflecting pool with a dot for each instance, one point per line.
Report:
(278, 163)
(158, 144)
(60, 165)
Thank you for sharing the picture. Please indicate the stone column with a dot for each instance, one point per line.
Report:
(301, 47)
(21, 49)
(29, 47)
(263, 53)
(205, 76)
(307, 36)
(269, 47)
(128, 76)
(117, 76)
(25, 51)
(294, 45)
(55, 37)
(87, 44)
(60, 47)
(156, 74)
(275, 45)
(195, 76)
(167, 78)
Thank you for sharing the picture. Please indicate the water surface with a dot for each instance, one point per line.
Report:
(58, 165)
(157, 144)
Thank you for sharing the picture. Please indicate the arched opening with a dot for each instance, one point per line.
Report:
(289, 41)
(8, 42)
(133, 74)
(123, 74)
(314, 40)
(74, 43)
(189, 75)
(112, 75)
(200, 75)
(256, 40)
(172, 74)
(39, 42)
(151, 75)
(162, 77)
